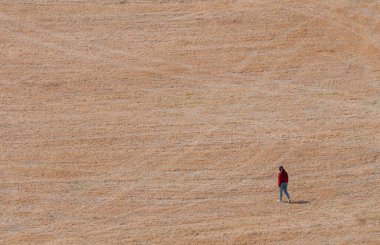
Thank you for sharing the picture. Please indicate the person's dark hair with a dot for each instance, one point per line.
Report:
(281, 168)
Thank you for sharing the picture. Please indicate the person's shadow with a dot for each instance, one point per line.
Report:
(300, 202)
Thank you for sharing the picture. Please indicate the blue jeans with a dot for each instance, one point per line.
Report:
(284, 188)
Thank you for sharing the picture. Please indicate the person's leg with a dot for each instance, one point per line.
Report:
(286, 190)
(281, 189)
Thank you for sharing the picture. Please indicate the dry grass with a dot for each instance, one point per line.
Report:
(163, 122)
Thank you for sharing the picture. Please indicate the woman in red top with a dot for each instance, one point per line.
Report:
(283, 183)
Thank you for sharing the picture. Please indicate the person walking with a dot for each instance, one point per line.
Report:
(283, 183)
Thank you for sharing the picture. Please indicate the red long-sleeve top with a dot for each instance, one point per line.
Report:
(282, 177)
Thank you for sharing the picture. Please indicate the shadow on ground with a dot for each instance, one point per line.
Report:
(300, 202)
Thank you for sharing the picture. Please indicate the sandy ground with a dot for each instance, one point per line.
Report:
(163, 122)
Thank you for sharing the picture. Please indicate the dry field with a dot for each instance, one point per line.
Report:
(163, 122)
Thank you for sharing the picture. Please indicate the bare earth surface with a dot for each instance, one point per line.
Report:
(163, 122)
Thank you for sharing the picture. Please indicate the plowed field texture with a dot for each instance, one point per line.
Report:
(165, 122)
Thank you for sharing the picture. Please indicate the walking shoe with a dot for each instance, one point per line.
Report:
(279, 201)
(290, 201)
